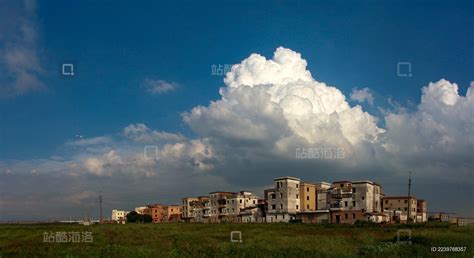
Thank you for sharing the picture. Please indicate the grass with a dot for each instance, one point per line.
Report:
(259, 240)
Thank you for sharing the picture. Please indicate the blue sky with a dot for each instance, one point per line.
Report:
(119, 46)
(115, 45)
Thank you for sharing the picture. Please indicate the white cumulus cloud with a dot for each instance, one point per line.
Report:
(362, 95)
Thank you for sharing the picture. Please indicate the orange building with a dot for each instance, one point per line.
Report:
(158, 212)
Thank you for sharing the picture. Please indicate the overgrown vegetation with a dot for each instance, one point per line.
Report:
(258, 240)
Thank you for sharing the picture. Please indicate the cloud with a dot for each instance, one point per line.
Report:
(438, 133)
(268, 108)
(159, 86)
(278, 103)
(362, 95)
(20, 67)
(90, 141)
(141, 133)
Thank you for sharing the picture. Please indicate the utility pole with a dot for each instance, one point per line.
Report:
(409, 198)
(100, 204)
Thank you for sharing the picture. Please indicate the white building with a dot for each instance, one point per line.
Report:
(119, 216)
(141, 210)
(283, 200)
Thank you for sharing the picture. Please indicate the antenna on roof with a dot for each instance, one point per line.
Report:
(100, 205)
(409, 199)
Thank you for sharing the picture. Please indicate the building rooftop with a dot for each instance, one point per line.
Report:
(225, 192)
(287, 178)
(399, 197)
(340, 182)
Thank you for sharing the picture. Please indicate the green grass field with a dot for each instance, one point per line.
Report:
(258, 240)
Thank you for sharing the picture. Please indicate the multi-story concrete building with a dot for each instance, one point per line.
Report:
(322, 191)
(406, 205)
(218, 202)
(188, 206)
(195, 209)
(173, 213)
(308, 197)
(238, 202)
(119, 216)
(284, 200)
(421, 211)
(351, 201)
(158, 213)
(314, 209)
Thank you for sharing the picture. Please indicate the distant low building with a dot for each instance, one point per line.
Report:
(406, 205)
(119, 216)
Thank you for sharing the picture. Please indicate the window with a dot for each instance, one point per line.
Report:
(363, 198)
(353, 216)
(281, 206)
(283, 216)
(253, 201)
(406, 201)
(307, 198)
(353, 189)
(281, 196)
(297, 207)
(405, 208)
(273, 206)
(297, 196)
(307, 189)
(345, 204)
(273, 196)
(240, 200)
(345, 215)
(353, 203)
(363, 210)
(386, 201)
(307, 206)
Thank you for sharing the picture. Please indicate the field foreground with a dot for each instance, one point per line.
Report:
(258, 240)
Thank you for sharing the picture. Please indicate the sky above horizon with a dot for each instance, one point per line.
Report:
(300, 74)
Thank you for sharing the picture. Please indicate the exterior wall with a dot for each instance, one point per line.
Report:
(421, 211)
(187, 207)
(322, 193)
(119, 216)
(308, 196)
(158, 213)
(349, 217)
(174, 213)
(314, 217)
(368, 196)
(280, 217)
(401, 204)
(287, 199)
(218, 202)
